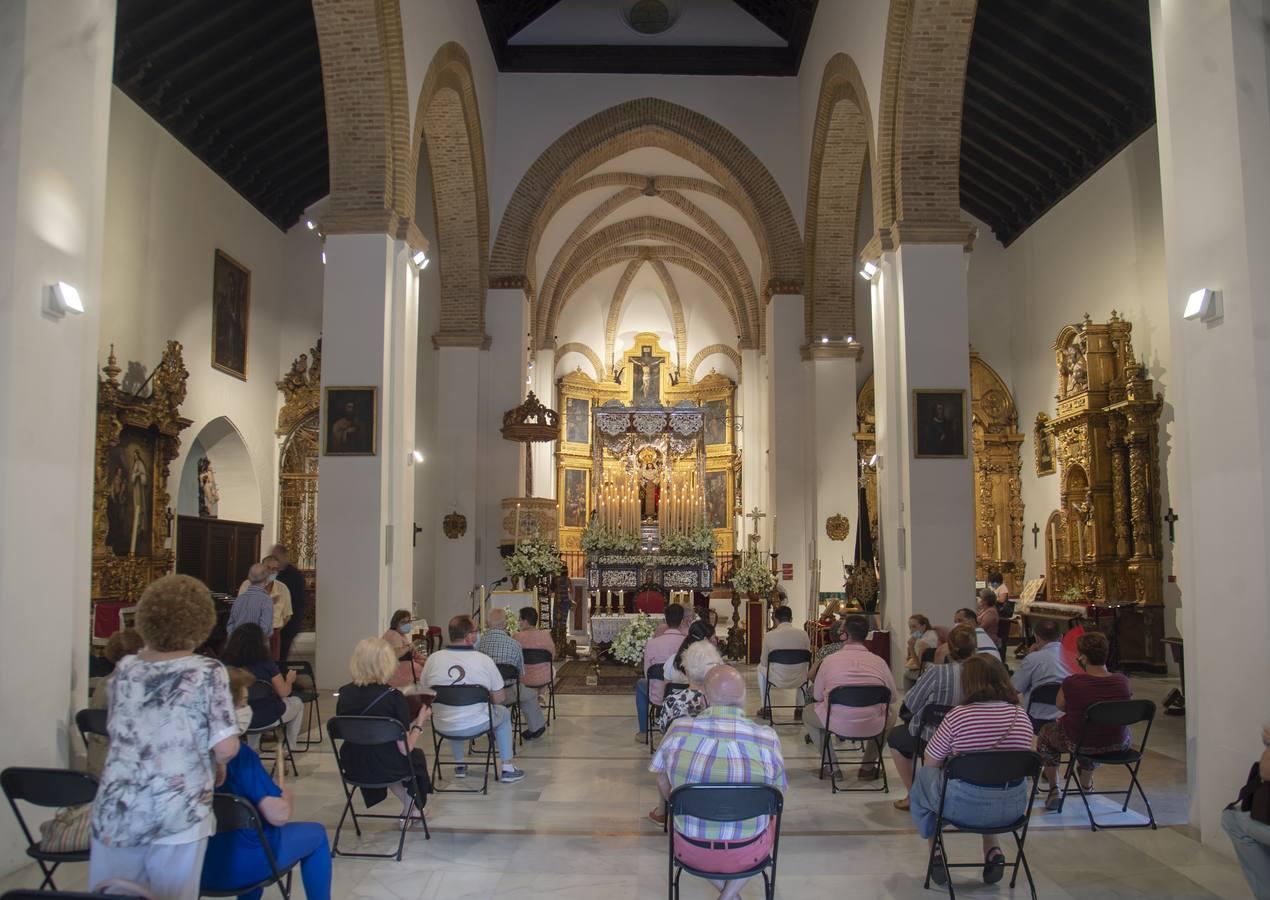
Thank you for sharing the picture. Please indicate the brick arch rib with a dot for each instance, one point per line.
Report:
(448, 122)
(677, 322)
(576, 347)
(706, 352)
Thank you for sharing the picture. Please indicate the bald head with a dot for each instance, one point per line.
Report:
(724, 686)
(258, 573)
(497, 618)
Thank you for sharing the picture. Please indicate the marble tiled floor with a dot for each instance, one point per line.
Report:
(575, 827)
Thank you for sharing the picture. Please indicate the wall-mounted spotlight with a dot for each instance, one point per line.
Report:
(323, 257)
(1204, 305)
(420, 259)
(63, 298)
(416, 456)
(310, 224)
(825, 339)
(870, 269)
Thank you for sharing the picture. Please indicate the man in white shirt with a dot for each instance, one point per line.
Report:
(460, 663)
(783, 637)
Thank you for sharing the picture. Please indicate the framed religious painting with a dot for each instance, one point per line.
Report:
(718, 512)
(716, 422)
(577, 420)
(231, 308)
(1044, 439)
(350, 421)
(939, 423)
(575, 497)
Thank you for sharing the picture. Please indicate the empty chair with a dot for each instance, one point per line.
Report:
(50, 789)
(305, 690)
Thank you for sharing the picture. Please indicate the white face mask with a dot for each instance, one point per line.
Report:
(243, 714)
(915, 633)
(271, 578)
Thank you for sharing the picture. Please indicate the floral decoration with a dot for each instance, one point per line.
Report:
(534, 558)
(628, 644)
(754, 576)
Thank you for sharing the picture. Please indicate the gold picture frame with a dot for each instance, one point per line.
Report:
(937, 434)
(346, 411)
(1043, 439)
(231, 315)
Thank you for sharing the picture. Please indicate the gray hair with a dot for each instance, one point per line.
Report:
(699, 659)
(258, 573)
(497, 618)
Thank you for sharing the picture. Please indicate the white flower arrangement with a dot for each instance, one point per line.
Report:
(599, 538)
(534, 558)
(628, 644)
(513, 620)
(700, 541)
(754, 576)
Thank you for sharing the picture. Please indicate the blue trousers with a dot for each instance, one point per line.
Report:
(304, 842)
(641, 703)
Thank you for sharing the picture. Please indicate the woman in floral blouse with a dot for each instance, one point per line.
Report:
(172, 724)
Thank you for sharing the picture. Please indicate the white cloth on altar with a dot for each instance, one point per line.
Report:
(605, 628)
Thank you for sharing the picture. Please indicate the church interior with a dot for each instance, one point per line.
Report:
(787, 313)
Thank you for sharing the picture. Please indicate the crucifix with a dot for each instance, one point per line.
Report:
(1036, 529)
(1172, 519)
(755, 515)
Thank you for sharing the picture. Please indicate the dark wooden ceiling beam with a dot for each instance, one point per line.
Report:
(262, 101)
(215, 150)
(994, 81)
(1078, 43)
(1014, 196)
(1013, 162)
(991, 56)
(1042, 125)
(282, 145)
(210, 98)
(648, 60)
(1026, 141)
(1138, 45)
(200, 31)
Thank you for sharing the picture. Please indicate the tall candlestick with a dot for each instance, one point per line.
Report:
(482, 598)
(773, 547)
(1053, 545)
(516, 542)
(999, 556)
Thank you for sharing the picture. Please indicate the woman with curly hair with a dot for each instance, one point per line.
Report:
(172, 725)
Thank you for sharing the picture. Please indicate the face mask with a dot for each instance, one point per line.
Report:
(915, 634)
(243, 714)
(272, 576)
(405, 627)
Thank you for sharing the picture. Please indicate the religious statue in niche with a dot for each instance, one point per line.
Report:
(208, 495)
(646, 389)
(1074, 371)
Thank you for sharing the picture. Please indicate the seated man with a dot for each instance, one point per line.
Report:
(783, 637)
(531, 637)
(460, 663)
(501, 647)
(1043, 665)
(660, 648)
(853, 665)
(983, 641)
(721, 746)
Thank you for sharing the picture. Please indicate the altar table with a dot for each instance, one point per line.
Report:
(605, 628)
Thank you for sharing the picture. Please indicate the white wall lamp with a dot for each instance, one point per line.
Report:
(416, 456)
(62, 298)
(1204, 305)
(870, 269)
(420, 259)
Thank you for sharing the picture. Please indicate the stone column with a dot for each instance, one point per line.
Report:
(921, 340)
(543, 383)
(1214, 130)
(833, 449)
(458, 432)
(365, 560)
(753, 438)
(55, 77)
(787, 450)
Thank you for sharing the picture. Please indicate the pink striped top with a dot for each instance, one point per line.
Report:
(980, 726)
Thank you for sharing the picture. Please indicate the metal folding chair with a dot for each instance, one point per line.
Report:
(784, 658)
(724, 803)
(371, 731)
(234, 813)
(1112, 713)
(996, 769)
(535, 657)
(91, 721)
(308, 693)
(461, 695)
(656, 672)
(50, 789)
(932, 715)
(511, 684)
(855, 696)
(1045, 694)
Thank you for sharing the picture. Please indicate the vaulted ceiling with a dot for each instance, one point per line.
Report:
(1054, 90)
(238, 82)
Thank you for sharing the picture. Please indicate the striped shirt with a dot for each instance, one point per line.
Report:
(720, 746)
(938, 686)
(501, 647)
(995, 725)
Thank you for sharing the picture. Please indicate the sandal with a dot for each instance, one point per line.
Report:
(994, 866)
(938, 873)
(657, 817)
(901, 804)
(1053, 801)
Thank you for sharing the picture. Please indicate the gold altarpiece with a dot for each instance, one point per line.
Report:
(646, 370)
(138, 436)
(1106, 548)
(996, 443)
(299, 429)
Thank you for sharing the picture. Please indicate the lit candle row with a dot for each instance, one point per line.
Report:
(619, 505)
(683, 504)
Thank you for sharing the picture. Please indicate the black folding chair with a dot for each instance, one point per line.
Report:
(234, 813)
(65, 895)
(1046, 694)
(784, 658)
(1112, 713)
(308, 693)
(372, 731)
(927, 659)
(855, 696)
(725, 803)
(461, 695)
(511, 684)
(994, 769)
(91, 721)
(652, 711)
(932, 715)
(262, 690)
(51, 789)
(535, 657)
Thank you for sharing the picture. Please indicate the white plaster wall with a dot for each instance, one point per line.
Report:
(236, 483)
(429, 477)
(537, 109)
(1101, 248)
(167, 214)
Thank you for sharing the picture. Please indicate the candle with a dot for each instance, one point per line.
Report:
(773, 547)
(482, 598)
(516, 542)
(1053, 544)
(999, 556)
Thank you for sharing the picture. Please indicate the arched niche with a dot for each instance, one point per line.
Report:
(223, 446)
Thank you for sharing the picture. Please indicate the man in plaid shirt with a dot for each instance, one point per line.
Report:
(721, 746)
(505, 650)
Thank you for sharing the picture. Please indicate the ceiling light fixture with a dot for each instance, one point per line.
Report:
(825, 339)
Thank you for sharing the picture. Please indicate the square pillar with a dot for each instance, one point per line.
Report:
(458, 439)
(788, 448)
(833, 448)
(751, 396)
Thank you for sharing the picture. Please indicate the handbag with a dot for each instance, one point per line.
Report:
(1254, 796)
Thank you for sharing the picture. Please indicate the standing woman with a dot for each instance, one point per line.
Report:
(172, 724)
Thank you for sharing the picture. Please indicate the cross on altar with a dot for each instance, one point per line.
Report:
(1171, 518)
(755, 515)
(1036, 529)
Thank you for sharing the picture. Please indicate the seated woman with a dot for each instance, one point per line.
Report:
(988, 719)
(271, 701)
(409, 661)
(369, 694)
(696, 657)
(122, 643)
(1094, 685)
(921, 637)
(235, 858)
(987, 616)
(1251, 837)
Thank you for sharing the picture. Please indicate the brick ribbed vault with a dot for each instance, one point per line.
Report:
(620, 293)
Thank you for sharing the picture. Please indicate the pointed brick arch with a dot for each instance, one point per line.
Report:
(706, 352)
(840, 146)
(448, 122)
(641, 123)
(576, 347)
(678, 325)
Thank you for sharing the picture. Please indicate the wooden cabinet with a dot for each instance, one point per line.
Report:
(217, 551)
